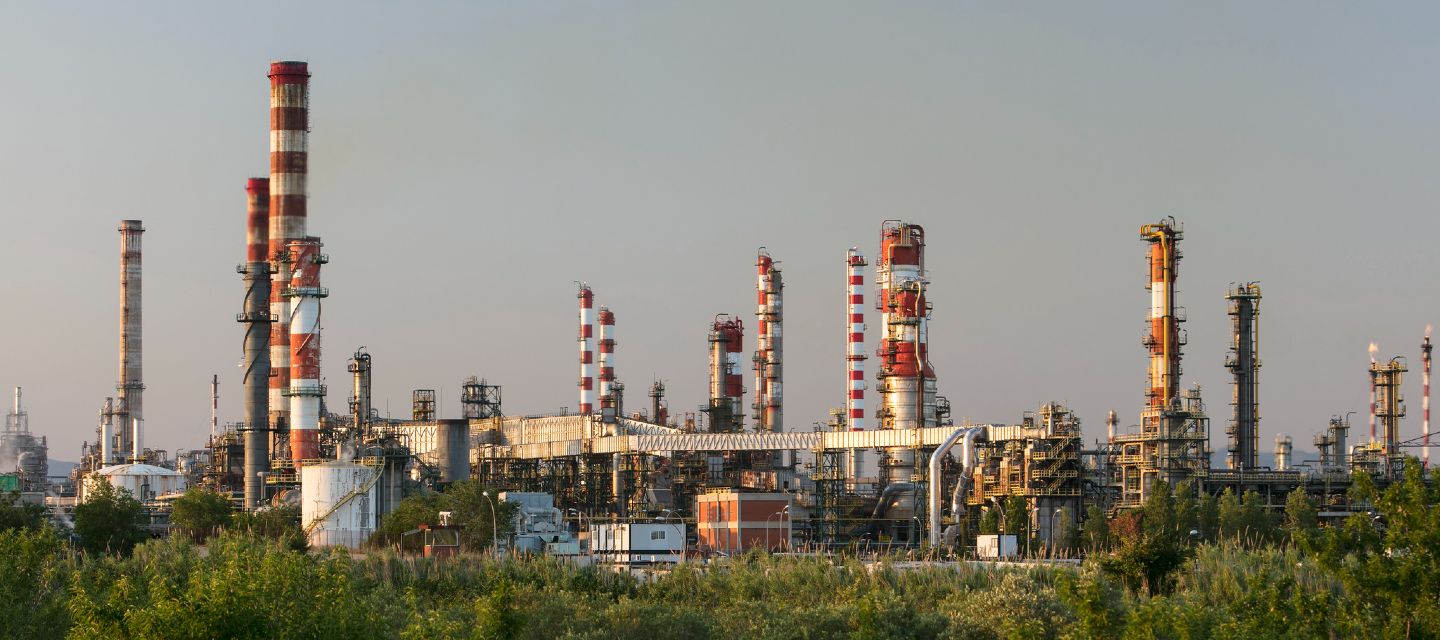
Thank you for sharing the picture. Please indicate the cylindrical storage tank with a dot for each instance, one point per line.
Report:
(337, 501)
(452, 443)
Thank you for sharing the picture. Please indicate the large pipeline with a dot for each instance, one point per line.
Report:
(257, 320)
(967, 459)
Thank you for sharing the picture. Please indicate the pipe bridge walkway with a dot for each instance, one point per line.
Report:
(568, 436)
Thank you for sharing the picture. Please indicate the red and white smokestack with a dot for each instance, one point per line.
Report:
(587, 350)
(305, 391)
(907, 387)
(289, 147)
(1163, 340)
(607, 358)
(1111, 422)
(130, 389)
(769, 345)
(855, 339)
(727, 385)
(1425, 349)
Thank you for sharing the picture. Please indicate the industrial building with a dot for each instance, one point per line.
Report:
(728, 483)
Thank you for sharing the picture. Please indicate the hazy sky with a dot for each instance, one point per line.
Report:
(469, 161)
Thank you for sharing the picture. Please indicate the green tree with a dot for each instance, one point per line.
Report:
(110, 520)
(1229, 517)
(479, 516)
(1095, 533)
(1187, 508)
(1158, 513)
(1301, 515)
(17, 515)
(1016, 517)
(200, 513)
(1208, 518)
(33, 580)
(1258, 527)
(990, 521)
(1391, 559)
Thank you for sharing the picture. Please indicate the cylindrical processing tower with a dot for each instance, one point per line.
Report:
(359, 369)
(727, 385)
(1283, 446)
(289, 147)
(306, 391)
(607, 360)
(107, 433)
(1163, 339)
(907, 381)
(257, 319)
(1244, 365)
(130, 389)
(769, 345)
(587, 350)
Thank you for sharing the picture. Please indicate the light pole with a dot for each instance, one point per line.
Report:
(494, 522)
(781, 516)
(1053, 545)
(679, 529)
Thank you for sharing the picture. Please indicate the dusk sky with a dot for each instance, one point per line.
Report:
(470, 161)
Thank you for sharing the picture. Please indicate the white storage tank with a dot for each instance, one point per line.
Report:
(337, 503)
(144, 481)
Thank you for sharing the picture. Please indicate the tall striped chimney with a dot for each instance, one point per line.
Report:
(289, 133)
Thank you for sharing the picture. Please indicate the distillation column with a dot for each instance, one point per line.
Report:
(769, 346)
(1389, 403)
(1244, 365)
(727, 386)
(587, 350)
(289, 147)
(854, 353)
(305, 390)
(907, 381)
(130, 389)
(257, 319)
(359, 368)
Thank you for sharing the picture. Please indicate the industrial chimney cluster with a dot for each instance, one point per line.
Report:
(929, 474)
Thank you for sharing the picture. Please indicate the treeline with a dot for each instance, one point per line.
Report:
(1375, 575)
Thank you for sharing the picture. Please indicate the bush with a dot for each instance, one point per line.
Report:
(200, 513)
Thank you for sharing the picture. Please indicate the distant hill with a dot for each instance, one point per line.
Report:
(61, 468)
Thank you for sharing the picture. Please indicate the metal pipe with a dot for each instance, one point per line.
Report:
(289, 164)
(967, 461)
(256, 317)
(137, 441)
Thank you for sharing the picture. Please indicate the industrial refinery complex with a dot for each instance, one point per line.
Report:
(736, 473)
